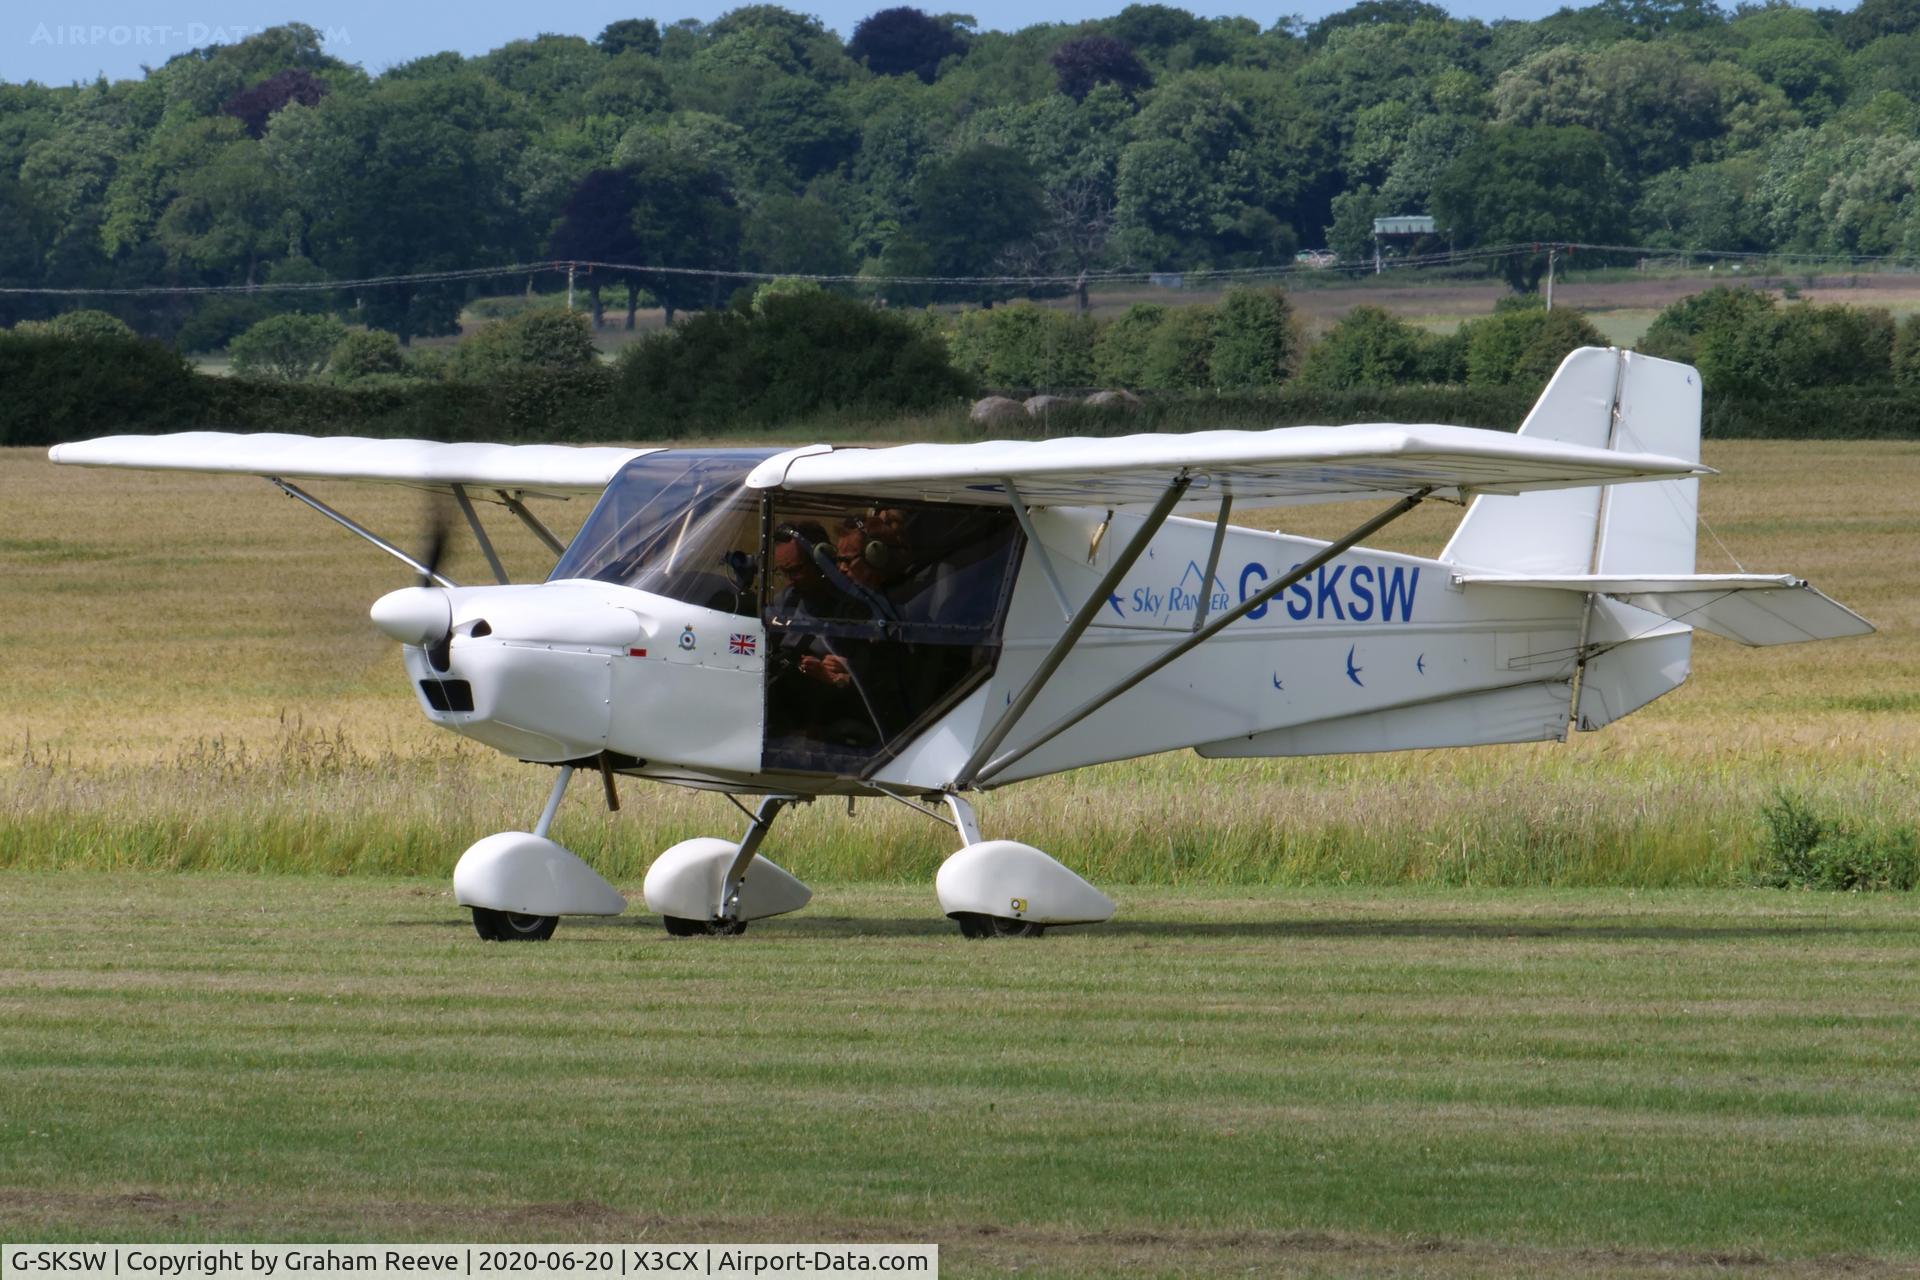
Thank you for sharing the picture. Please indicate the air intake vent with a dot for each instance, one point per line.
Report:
(448, 695)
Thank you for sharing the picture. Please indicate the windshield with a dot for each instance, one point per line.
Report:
(680, 523)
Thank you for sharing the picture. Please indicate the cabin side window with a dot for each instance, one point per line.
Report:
(680, 523)
(879, 616)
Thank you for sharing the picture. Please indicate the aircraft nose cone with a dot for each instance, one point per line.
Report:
(414, 615)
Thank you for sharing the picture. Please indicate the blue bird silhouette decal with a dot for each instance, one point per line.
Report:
(1353, 672)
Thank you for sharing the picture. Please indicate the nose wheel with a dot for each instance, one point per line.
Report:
(512, 926)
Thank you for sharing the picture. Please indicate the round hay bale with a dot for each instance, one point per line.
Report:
(1038, 406)
(996, 409)
(1125, 401)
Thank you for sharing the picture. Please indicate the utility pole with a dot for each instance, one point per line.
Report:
(570, 287)
(1550, 254)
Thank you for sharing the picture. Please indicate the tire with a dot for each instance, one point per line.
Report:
(683, 927)
(511, 926)
(975, 925)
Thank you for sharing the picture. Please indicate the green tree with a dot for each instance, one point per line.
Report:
(365, 353)
(1522, 346)
(89, 324)
(970, 208)
(1025, 347)
(789, 233)
(544, 338)
(1179, 355)
(1367, 347)
(286, 348)
(1120, 347)
(1906, 352)
(685, 216)
(1255, 341)
(1794, 347)
(1677, 332)
(414, 175)
(1529, 185)
(630, 35)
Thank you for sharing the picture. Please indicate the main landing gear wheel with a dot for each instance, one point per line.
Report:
(974, 925)
(682, 927)
(511, 926)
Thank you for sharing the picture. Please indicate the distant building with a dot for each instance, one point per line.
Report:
(1407, 226)
(1167, 280)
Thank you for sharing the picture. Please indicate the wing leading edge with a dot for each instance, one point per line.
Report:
(1283, 466)
(542, 468)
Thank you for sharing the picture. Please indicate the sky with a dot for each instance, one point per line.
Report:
(60, 41)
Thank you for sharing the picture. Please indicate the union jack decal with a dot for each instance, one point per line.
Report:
(742, 643)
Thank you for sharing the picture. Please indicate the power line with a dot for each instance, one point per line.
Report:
(1449, 257)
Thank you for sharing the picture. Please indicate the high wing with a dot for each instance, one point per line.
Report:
(524, 469)
(1287, 465)
(1753, 608)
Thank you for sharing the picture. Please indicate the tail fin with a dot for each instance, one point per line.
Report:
(1606, 399)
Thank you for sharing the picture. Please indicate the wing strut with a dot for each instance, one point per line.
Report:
(295, 491)
(1076, 627)
(530, 520)
(1241, 610)
(480, 534)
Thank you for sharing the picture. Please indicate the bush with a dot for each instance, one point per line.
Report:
(218, 320)
(1120, 347)
(1254, 340)
(1522, 346)
(1676, 332)
(1022, 346)
(71, 388)
(1807, 851)
(1179, 355)
(87, 324)
(365, 353)
(545, 338)
(1799, 346)
(799, 354)
(1906, 352)
(286, 348)
(1369, 347)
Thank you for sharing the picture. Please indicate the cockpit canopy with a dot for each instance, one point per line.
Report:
(679, 523)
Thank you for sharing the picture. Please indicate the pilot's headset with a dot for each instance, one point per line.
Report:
(881, 555)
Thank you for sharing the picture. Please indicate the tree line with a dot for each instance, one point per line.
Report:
(919, 147)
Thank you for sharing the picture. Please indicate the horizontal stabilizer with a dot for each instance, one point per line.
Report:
(1753, 608)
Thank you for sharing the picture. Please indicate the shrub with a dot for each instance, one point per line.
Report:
(1179, 355)
(218, 320)
(365, 353)
(1523, 346)
(1024, 346)
(1799, 346)
(544, 338)
(799, 354)
(1369, 347)
(1906, 352)
(1254, 340)
(70, 388)
(1676, 332)
(1807, 851)
(88, 324)
(1120, 347)
(286, 348)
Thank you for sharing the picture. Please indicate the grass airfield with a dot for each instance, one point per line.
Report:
(1447, 1014)
(1398, 1082)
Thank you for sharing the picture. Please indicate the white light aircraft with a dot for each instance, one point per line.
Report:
(926, 622)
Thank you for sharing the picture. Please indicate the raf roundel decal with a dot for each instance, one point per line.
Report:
(686, 638)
